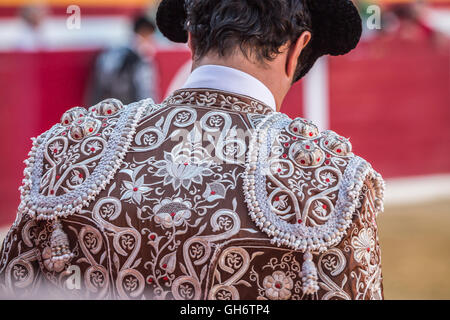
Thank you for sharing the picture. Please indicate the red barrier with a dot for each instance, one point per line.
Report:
(392, 99)
(169, 62)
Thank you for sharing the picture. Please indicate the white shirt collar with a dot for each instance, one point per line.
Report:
(231, 80)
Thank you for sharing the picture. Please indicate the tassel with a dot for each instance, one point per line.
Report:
(309, 274)
(59, 243)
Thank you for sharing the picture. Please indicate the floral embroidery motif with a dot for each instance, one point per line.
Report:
(77, 177)
(328, 178)
(278, 286)
(172, 213)
(94, 146)
(280, 202)
(320, 209)
(135, 190)
(363, 245)
(56, 147)
(181, 174)
(214, 191)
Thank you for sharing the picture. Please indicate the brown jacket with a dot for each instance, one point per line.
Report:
(209, 195)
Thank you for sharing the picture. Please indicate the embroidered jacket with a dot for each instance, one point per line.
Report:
(209, 195)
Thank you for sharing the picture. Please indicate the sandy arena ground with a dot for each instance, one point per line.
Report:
(415, 242)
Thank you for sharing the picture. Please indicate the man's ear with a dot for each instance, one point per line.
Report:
(294, 52)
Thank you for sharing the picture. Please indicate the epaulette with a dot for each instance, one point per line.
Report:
(302, 187)
(70, 164)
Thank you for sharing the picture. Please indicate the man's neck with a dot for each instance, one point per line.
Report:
(230, 80)
(265, 75)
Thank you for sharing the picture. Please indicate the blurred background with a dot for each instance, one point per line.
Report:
(391, 96)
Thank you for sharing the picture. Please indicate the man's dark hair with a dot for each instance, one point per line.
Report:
(257, 28)
(260, 27)
(143, 23)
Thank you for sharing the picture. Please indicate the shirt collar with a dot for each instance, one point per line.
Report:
(231, 80)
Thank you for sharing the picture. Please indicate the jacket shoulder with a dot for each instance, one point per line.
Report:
(72, 162)
(303, 186)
